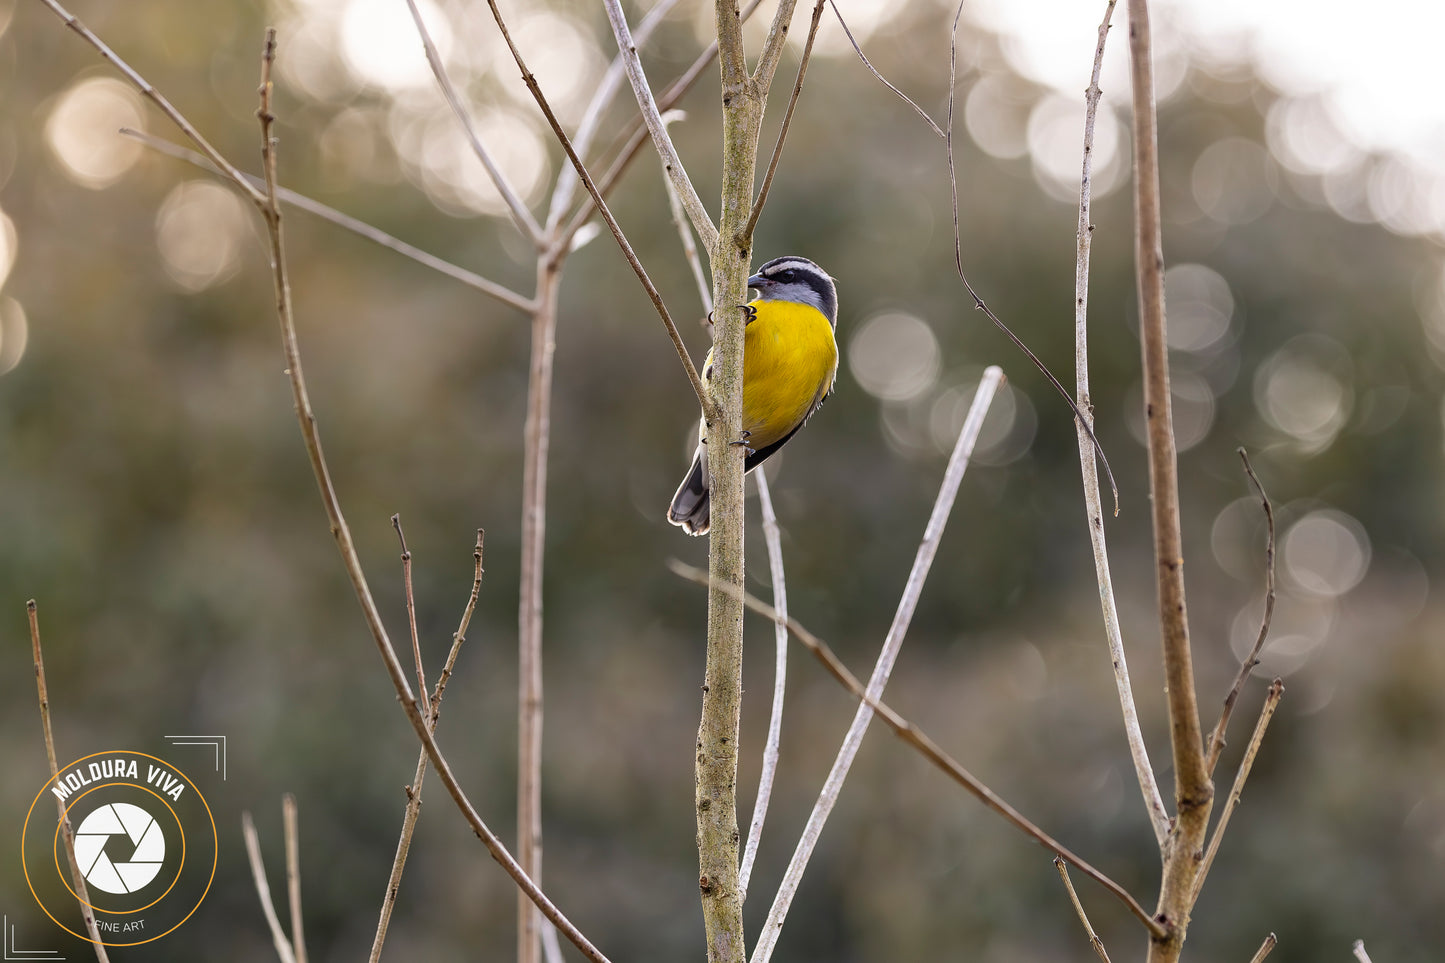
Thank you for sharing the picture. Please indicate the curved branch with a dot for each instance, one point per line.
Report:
(627, 49)
(566, 187)
(1088, 466)
(523, 218)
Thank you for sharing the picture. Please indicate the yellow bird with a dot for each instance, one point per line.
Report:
(789, 360)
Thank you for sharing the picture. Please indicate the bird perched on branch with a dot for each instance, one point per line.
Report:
(789, 360)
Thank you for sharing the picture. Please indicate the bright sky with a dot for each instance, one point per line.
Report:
(1377, 68)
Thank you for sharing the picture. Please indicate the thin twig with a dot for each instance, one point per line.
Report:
(566, 187)
(413, 791)
(1271, 701)
(155, 97)
(787, 119)
(1088, 466)
(661, 140)
(1216, 739)
(67, 831)
(411, 610)
(633, 139)
(263, 889)
(1063, 867)
(920, 741)
(523, 218)
(345, 221)
(1265, 949)
(293, 875)
(774, 541)
(341, 532)
(460, 635)
(1359, 951)
(1193, 792)
(978, 301)
(932, 534)
(684, 232)
(531, 81)
(882, 79)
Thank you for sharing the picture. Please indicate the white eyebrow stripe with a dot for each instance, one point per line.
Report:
(795, 265)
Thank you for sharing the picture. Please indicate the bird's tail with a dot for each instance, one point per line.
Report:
(692, 503)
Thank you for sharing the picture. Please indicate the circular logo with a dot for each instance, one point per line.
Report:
(136, 835)
(143, 850)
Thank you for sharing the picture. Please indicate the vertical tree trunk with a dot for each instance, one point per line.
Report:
(717, 754)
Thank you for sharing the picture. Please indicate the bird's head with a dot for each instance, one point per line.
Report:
(799, 280)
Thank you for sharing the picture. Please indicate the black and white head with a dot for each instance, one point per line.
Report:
(799, 280)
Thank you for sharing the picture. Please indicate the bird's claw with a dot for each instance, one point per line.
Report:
(743, 443)
(750, 314)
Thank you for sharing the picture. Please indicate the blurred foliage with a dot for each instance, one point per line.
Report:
(156, 499)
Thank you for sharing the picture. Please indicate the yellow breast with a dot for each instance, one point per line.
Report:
(789, 360)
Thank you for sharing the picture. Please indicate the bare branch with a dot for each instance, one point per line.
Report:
(787, 119)
(263, 890)
(155, 97)
(1359, 950)
(347, 547)
(933, 125)
(521, 216)
(1216, 739)
(293, 875)
(932, 534)
(671, 163)
(773, 46)
(537, 436)
(1088, 466)
(531, 82)
(919, 741)
(413, 791)
(632, 141)
(566, 188)
(411, 612)
(1271, 702)
(377, 236)
(67, 832)
(978, 301)
(1063, 867)
(1265, 949)
(774, 540)
(460, 635)
(684, 232)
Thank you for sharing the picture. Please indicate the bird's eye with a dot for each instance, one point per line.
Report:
(787, 277)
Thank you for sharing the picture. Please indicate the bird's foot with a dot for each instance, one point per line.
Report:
(743, 442)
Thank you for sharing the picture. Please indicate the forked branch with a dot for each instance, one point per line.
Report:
(263, 890)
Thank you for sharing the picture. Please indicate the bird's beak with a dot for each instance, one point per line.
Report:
(758, 281)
